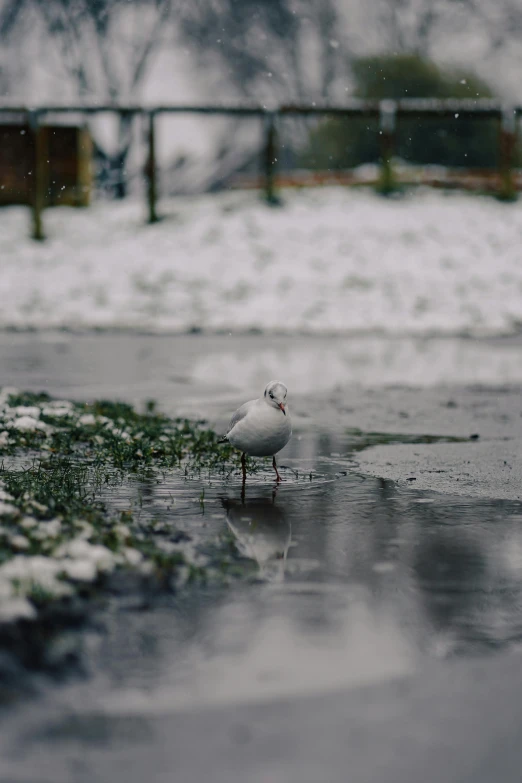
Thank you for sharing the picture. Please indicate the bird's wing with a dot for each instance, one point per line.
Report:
(240, 414)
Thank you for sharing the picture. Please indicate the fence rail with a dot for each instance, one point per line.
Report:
(437, 106)
(388, 112)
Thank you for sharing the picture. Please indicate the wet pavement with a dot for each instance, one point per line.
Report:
(379, 638)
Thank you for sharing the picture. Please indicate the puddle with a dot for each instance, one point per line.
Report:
(356, 581)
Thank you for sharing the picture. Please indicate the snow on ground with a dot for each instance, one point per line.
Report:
(330, 260)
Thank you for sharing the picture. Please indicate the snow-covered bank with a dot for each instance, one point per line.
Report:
(329, 260)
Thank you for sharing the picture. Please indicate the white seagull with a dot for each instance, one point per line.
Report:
(262, 427)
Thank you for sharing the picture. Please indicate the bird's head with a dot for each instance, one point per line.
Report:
(275, 395)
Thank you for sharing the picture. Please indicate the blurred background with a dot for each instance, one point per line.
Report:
(221, 166)
(151, 52)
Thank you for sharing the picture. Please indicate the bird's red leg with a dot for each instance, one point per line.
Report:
(243, 467)
(276, 470)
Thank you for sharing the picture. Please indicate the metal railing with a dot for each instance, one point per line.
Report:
(387, 112)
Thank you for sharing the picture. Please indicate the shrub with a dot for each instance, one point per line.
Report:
(339, 143)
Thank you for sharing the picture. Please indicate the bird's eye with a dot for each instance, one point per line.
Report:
(271, 395)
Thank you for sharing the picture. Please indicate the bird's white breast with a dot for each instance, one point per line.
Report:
(263, 432)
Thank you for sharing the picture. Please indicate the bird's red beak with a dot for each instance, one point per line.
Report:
(282, 407)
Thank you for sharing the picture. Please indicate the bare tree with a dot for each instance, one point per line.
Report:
(407, 26)
(278, 49)
(105, 47)
(271, 52)
(426, 27)
(499, 20)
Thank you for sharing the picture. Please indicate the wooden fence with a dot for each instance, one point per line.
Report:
(387, 112)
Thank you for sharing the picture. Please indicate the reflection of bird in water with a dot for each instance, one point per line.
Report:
(261, 427)
(262, 533)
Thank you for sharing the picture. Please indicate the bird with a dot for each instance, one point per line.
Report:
(262, 427)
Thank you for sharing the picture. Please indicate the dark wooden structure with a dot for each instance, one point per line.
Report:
(59, 154)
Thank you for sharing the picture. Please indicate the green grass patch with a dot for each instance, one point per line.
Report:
(59, 459)
(114, 433)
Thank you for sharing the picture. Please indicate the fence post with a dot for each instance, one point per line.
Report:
(270, 158)
(39, 174)
(84, 152)
(387, 125)
(150, 170)
(507, 143)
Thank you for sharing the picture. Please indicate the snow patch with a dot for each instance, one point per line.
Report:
(27, 410)
(330, 260)
(28, 424)
(87, 420)
(80, 549)
(16, 609)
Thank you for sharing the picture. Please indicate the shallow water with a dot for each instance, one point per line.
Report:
(359, 583)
